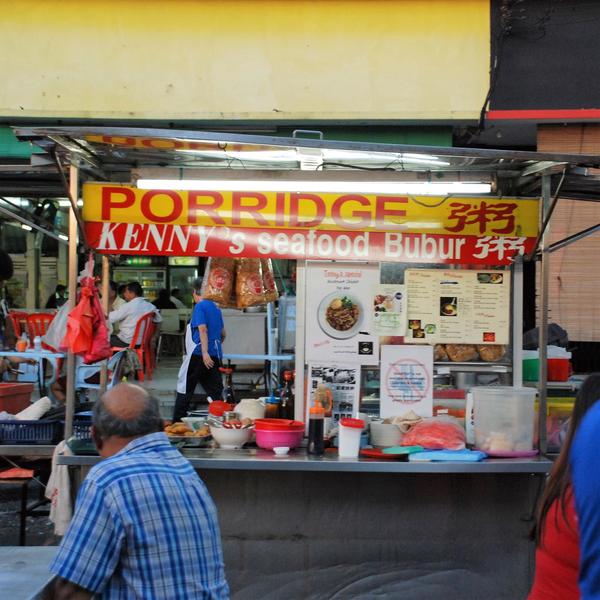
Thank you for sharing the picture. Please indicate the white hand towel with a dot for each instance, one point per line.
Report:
(58, 491)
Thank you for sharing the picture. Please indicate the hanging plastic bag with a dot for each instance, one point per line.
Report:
(249, 286)
(78, 338)
(100, 346)
(268, 277)
(219, 280)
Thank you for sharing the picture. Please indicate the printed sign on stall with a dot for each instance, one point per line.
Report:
(336, 386)
(339, 324)
(458, 306)
(389, 310)
(406, 380)
(295, 225)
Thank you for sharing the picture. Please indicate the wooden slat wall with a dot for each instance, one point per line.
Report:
(574, 271)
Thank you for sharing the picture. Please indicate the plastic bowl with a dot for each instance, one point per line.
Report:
(281, 450)
(278, 425)
(231, 439)
(278, 438)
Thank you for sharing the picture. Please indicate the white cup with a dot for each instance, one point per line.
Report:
(349, 441)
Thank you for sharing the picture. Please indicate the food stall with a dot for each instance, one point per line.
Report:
(384, 525)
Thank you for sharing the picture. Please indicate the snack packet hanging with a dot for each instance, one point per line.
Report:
(268, 277)
(249, 286)
(219, 280)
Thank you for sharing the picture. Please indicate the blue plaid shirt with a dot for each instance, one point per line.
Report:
(144, 527)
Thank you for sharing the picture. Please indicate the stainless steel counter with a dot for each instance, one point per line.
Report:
(39, 450)
(263, 460)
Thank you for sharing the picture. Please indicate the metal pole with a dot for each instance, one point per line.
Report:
(105, 292)
(517, 337)
(70, 401)
(299, 408)
(543, 319)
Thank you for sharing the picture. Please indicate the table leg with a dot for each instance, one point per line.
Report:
(23, 513)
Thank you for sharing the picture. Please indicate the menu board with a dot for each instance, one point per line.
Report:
(389, 310)
(458, 306)
(339, 323)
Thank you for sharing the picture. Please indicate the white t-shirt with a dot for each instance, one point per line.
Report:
(177, 302)
(129, 314)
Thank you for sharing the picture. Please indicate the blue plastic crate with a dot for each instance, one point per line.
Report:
(30, 432)
(82, 430)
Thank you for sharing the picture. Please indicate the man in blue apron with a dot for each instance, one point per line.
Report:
(203, 353)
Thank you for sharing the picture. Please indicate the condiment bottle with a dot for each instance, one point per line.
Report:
(316, 421)
(287, 396)
(22, 343)
(272, 407)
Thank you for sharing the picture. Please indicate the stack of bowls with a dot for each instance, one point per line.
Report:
(273, 433)
(384, 435)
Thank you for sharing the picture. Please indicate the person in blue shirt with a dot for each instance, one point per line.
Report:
(585, 477)
(145, 525)
(208, 333)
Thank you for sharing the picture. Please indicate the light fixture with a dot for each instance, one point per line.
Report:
(64, 237)
(360, 187)
(64, 203)
(26, 227)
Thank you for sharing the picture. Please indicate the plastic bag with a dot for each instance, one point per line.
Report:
(57, 328)
(78, 338)
(436, 433)
(100, 347)
(218, 280)
(268, 277)
(249, 286)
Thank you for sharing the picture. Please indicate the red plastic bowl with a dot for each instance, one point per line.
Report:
(271, 439)
(278, 425)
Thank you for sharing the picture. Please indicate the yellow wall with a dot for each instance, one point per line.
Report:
(244, 59)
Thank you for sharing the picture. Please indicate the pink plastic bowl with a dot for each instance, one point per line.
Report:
(274, 438)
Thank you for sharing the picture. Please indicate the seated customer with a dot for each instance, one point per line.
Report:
(145, 525)
(163, 301)
(129, 314)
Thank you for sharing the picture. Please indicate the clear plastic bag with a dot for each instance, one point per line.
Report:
(436, 433)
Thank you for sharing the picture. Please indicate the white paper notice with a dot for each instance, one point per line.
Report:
(458, 306)
(389, 310)
(339, 323)
(406, 380)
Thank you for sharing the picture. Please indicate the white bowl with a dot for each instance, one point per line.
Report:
(281, 450)
(384, 435)
(231, 439)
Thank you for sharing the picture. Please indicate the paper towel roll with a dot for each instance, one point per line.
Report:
(36, 410)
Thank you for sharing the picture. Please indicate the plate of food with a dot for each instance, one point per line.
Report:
(340, 315)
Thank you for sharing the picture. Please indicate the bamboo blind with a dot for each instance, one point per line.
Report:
(574, 287)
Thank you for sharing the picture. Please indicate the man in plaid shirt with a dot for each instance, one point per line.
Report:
(144, 525)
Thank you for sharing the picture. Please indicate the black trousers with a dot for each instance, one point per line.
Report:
(211, 381)
(117, 341)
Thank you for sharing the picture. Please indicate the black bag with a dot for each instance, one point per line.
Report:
(557, 336)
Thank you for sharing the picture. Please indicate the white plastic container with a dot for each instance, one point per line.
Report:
(503, 419)
(349, 437)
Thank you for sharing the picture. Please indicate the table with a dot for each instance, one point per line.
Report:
(310, 527)
(39, 355)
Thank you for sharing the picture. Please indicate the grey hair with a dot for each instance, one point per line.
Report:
(147, 421)
(197, 286)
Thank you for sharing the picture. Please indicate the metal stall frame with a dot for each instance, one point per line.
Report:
(120, 154)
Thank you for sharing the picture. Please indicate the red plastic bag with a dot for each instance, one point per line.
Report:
(78, 338)
(437, 433)
(100, 346)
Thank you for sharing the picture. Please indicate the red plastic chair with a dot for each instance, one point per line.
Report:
(145, 326)
(18, 320)
(37, 324)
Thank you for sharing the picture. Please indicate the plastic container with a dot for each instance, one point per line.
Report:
(15, 397)
(349, 437)
(272, 438)
(559, 369)
(503, 419)
(559, 411)
(271, 407)
(384, 435)
(531, 365)
(29, 432)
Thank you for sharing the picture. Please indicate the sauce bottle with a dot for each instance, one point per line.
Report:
(272, 407)
(287, 396)
(316, 422)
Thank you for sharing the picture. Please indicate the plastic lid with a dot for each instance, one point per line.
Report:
(272, 399)
(355, 423)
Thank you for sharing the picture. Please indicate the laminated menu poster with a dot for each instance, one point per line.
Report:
(389, 310)
(406, 380)
(458, 306)
(339, 323)
(336, 387)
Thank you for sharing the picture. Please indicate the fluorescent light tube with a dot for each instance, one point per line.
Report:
(26, 227)
(360, 187)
